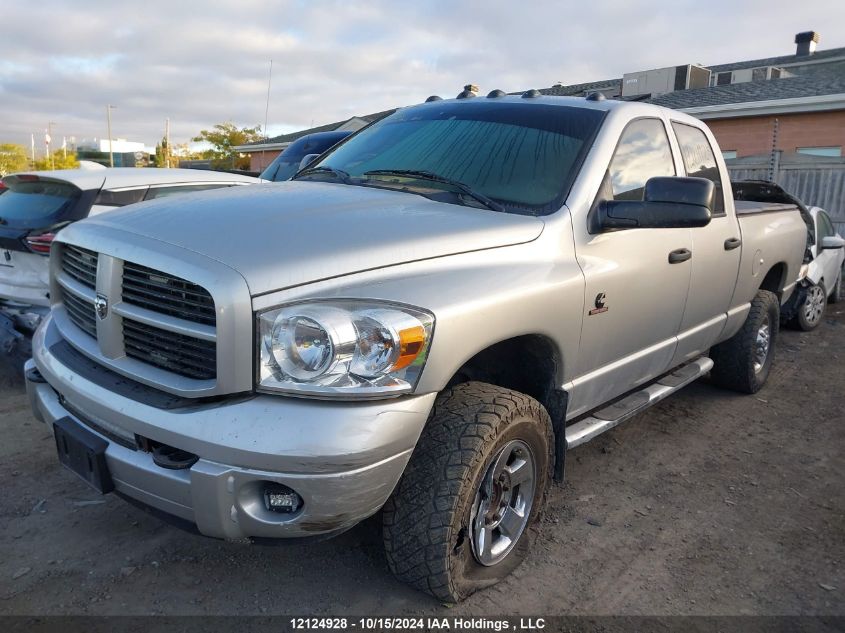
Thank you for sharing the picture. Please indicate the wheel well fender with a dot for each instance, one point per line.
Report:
(531, 364)
(775, 279)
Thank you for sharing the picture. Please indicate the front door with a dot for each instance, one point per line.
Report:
(634, 297)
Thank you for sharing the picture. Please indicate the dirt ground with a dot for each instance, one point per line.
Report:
(710, 503)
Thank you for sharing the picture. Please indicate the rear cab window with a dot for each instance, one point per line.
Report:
(700, 161)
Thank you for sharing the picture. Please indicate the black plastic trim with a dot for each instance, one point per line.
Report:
(65, 353)
(33, 375)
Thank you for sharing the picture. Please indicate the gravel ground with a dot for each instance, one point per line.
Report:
(710, 503)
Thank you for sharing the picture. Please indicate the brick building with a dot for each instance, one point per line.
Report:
(793, 103)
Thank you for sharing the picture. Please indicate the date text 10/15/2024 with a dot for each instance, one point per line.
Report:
(455, 623)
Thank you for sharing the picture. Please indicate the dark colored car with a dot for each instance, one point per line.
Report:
(287, 163)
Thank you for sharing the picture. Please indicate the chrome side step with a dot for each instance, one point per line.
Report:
(616, 413)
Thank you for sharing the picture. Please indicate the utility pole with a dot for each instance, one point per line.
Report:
(50, 125)
(108, 118)
(32, 149)
(167, 143)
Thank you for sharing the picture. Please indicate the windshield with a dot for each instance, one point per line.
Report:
(523, 156)
(36, 203)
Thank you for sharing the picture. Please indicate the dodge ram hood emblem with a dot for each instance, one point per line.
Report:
(101, 304)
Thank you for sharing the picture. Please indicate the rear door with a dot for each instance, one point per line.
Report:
(716, 250)
(634, 297)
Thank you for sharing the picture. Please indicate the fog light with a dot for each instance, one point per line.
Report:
(279, 498)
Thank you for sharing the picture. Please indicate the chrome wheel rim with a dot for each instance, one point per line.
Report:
(502, 503)
(761, 344)
(814, 305)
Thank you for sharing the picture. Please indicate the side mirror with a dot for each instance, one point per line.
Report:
(668, 203)
(833, 242)
(307, 160)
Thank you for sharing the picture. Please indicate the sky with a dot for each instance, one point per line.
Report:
(204, 62)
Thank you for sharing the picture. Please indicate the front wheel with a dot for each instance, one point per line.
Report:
(811, 310)
(458, 519)
(742, 363)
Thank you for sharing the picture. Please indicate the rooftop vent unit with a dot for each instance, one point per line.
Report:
(663, 80)
(744, 75)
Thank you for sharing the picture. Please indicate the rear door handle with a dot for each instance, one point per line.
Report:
(732, 243)
(680, 255)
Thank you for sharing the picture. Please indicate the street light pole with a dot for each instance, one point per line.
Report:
(50, 125)
(108, 117)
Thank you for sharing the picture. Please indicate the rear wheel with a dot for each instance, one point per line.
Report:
(458, 520)
(742, 363)
(811, 311)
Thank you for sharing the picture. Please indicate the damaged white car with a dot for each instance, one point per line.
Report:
(822, 275)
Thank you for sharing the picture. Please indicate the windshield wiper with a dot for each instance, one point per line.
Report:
(324, 169)
(427, 175)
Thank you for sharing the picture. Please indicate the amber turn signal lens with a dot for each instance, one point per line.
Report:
(411, 343)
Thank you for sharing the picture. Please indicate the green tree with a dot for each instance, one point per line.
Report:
(60, 161)
(12, 158)
(222, 138)
(161, 153)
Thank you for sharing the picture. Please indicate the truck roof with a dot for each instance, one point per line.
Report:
(603, 105)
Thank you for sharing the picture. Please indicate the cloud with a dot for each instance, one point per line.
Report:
(201, 63)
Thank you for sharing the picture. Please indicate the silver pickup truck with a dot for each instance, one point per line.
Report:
(422, 322)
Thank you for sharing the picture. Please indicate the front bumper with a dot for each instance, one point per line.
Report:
(343, 459)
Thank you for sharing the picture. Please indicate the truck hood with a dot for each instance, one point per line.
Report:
(287, 234)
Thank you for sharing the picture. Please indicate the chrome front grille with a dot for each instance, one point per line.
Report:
(183, 355)
(81, 313)
(80, 264)
(166, 294)
(151, 316)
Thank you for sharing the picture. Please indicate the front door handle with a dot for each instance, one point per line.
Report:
(680, 255)
(732, 243)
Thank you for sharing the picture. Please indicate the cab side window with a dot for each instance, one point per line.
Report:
(700, 161)
(643, 152)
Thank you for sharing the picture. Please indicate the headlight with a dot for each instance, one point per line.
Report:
(343, 348)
